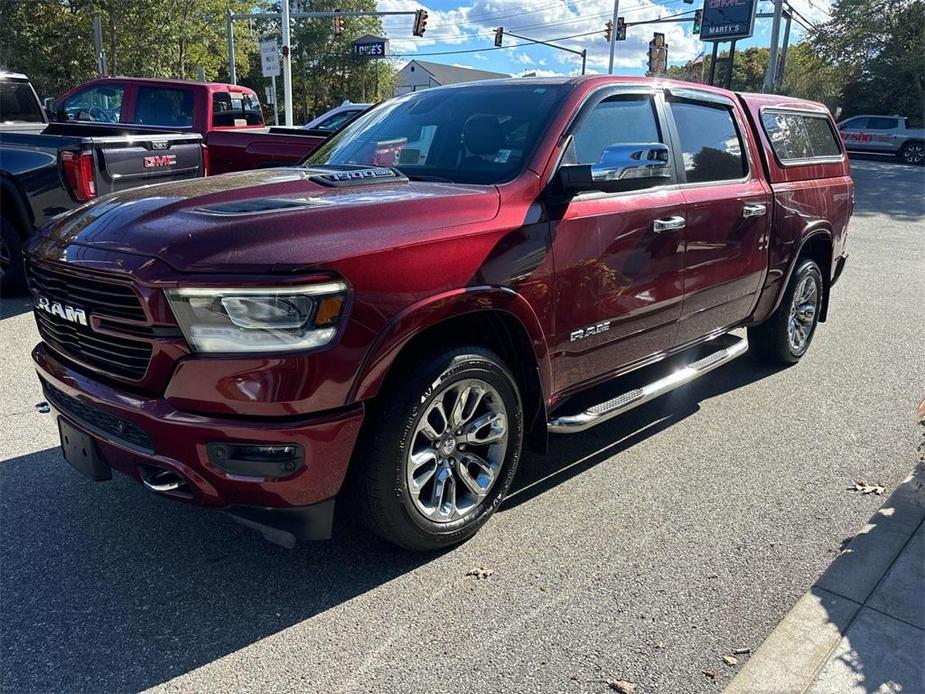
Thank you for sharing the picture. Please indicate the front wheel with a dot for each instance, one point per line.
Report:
(786, 335)
(913, 153)
(440, 450)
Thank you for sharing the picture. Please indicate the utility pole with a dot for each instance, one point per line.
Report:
(613, 35)
(783, 53)
(229, 28)
(98, 45)
(287, 62)
(770, 73)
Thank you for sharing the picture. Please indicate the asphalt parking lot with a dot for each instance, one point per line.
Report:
(643, 550)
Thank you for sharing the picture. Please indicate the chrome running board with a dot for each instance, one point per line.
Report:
(594, 415)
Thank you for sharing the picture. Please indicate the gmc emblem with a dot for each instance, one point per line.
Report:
(160, 160)
(56, 308)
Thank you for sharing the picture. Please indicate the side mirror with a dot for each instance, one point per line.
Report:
(621, 167)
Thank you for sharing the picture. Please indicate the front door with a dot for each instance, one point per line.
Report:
(619, 279)
(727, 212)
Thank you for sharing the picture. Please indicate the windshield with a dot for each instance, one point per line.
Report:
(482, 134)
(18, 103)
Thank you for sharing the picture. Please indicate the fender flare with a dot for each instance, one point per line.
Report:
(426, 313)
(810, 232)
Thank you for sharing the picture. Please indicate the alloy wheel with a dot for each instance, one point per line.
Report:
(457, 449)
(914, 153)
(802, 314)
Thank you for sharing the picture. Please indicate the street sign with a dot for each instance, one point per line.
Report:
(269, 58)
(371, 47)
(726, 20)
(271, 94)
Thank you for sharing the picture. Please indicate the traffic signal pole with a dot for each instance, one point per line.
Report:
(613, 35)
(500, 32)
(771, 72)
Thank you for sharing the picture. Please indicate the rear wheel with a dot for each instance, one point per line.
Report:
(440, 450)
(12, 271)
(913, 153)
(787, 334)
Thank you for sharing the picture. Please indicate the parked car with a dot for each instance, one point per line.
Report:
(228, 117)
(456, 275)
(47, 169)
(338, 117)
(884, 135)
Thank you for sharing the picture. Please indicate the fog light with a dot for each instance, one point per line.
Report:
(260, 460)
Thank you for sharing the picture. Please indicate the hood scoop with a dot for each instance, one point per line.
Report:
(350, 176)
(259, 205)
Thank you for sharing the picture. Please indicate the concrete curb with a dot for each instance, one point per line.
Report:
(799, 647)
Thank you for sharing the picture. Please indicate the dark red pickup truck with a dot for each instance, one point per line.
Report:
(458, 274)
(228, 116)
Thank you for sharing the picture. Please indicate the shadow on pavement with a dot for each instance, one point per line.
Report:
(894, 189)
(107, 588)
(14, 305)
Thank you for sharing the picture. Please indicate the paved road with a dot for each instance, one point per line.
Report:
(644, 550)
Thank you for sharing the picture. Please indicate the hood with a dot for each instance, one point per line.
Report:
(269, 220)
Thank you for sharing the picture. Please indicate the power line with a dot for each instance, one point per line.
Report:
(490, 48)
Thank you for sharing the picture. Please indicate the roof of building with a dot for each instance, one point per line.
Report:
(452, 74)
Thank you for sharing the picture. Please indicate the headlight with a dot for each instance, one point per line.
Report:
(285, 319)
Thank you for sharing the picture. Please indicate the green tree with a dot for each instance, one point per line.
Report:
(878, 48)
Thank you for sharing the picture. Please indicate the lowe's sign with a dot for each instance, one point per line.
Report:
(371, 47)
(725, 20)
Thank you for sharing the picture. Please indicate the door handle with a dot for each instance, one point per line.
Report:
(668, 224)
(754, 211)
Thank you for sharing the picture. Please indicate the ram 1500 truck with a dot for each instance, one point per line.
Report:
(47, 169)
(458, 274)
(228, 116)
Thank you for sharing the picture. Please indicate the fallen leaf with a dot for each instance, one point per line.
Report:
(710, 673)
(730, 660)
(622, 686)
(479, 572)
(866, 488)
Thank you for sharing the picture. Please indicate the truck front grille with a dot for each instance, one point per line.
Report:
(115, 354)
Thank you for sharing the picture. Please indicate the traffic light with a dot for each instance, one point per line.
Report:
(420, 22)
(658, 54)
(338, 24)
(499, 36)
(608, 30)
(698, 20)
(621, 29)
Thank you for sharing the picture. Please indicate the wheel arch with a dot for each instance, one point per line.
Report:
(14, 206)
(494, 317)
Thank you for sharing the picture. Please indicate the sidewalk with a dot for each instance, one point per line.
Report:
(861, 627)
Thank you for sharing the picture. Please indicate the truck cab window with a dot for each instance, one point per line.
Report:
(235, 111)
(101, 104)
(164, 106)
(617, 120)
(18, 103)
(710, 142)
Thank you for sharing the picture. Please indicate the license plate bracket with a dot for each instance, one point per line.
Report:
(80, 452)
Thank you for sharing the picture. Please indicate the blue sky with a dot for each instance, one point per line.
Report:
(453, 27)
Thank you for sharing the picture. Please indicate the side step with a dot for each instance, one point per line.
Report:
(570, 424)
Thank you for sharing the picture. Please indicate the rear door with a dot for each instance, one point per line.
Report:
(727, 207)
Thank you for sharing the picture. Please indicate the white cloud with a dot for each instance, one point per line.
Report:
(543, 20)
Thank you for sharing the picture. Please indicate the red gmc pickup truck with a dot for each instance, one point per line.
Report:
(228, 117)
(458, 274)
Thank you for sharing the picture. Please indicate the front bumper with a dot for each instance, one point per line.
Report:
(134, 434)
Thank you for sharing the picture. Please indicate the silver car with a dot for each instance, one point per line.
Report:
(884, 135)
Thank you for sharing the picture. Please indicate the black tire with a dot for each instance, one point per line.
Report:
(12, 271)
(380, 477)
(913, 153)
(771, 341)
